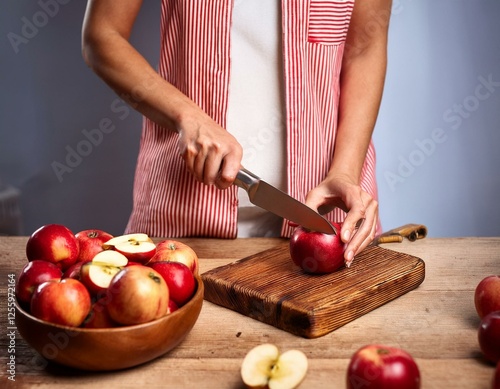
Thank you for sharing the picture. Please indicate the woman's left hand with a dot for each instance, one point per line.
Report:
(360, 225)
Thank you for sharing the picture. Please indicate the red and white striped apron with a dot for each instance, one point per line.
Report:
(195, 57)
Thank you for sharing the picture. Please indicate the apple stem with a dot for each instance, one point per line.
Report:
(155, 278)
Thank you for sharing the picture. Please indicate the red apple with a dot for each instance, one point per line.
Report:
(487, 295)
(137, 294)
(489, 336)
(179, 278)
(136, 247)
(33, 274)
(97, 274)
(316, 252)
(99, 316)
(91, 242)
(54, 243)
(137, 251)
(382, 367)
(174, 251)
(172, 306)
(496, 378)
(73, 271)
(66, 302)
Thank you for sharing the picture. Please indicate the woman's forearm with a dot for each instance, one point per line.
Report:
(361, 84)
(107, 51)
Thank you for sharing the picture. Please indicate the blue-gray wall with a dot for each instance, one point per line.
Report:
(437, 136)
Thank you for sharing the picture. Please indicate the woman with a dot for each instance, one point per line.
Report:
(328, 63)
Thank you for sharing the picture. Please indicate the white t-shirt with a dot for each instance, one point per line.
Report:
(256, 108)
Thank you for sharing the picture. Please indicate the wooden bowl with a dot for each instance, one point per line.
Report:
(110, 348)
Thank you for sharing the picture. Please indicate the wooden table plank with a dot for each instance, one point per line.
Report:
(436, 323)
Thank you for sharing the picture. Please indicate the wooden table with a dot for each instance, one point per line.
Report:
(436, 323)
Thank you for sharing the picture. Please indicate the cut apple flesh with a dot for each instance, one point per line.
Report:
(264, 367)
(101, 275)
(138, 237)
(111, 258)
(289, 371)
(137, 251)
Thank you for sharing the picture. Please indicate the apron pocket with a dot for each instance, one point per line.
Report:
(329, 21)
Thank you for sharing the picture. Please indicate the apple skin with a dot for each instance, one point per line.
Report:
(316, 252)
(173, 251)
(33, 274)
(54, 243)
(179, 278)
(137, 294)
(66, 302)
(98, 316)
(172, 306)
(489, 337)
(74, 271)
(487, 295)
(382, 367)
(90, 242)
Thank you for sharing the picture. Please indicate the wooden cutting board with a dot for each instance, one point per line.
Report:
(268, 287)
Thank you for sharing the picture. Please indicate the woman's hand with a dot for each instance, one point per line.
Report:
(360, 224)
(211, 153)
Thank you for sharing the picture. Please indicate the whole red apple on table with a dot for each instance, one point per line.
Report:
(179, 278)
(91, 242)
(54, 243)
(33, 274)
(66, 302)
(174, 251)
(489, 337)
(487, 295)
(382, 367)
(137, 294)
(316, 252)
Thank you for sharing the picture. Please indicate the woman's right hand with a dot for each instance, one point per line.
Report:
(211, 153)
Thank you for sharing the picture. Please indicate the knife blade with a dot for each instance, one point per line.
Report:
(278, 202)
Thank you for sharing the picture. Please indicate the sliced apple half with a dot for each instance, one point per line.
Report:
(97, 276)
(110, 258)
(136, 237)
(136, 251)
(265, 367)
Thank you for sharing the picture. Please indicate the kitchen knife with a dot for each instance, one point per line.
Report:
(274, 200)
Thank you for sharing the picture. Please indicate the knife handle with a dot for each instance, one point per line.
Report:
(245, 179)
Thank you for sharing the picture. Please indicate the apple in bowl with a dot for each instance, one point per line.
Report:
(173, 251)
(90, 243)
(65, 302)
(33, 274)
(317, 252)
(97, 274)
(137, 247)
(53, 243)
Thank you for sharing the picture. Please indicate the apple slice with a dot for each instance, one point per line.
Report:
(136, 250)
(138, 237)
(110, 258)
(97, 277)
(265, 367)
